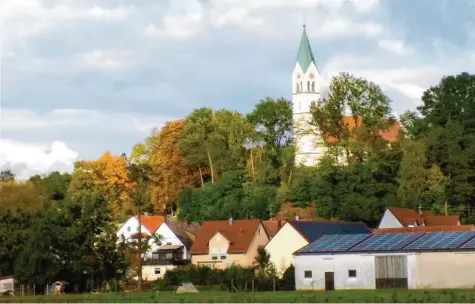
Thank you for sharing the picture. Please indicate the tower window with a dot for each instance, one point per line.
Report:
(313, 86)
(308, 86)
(298, 88)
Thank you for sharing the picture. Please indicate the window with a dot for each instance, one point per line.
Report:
(223, 254)
(169, 255)
(157, 270)
(214, 253)
(128, 229)
(313, 86)
(352, 273)
(169, 243)
(308, 86)
(297, 86)
(307, 274)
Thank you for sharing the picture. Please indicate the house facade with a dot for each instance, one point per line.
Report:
(150, 224)
(297, 234)
(434, 260)
(221, 244)
(175, 239)
(7, 283)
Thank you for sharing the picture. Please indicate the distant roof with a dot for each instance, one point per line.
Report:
(151, 222)
(425, 229)
(181, 230)
(311, 230)
(273, 226)
(240, 234)
(408, 217)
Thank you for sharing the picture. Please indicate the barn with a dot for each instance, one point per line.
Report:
(416, 260)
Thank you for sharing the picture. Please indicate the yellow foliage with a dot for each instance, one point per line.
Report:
(108, 177)
(23, 195)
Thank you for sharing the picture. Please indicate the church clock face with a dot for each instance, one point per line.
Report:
(311, 76)
(298, 76)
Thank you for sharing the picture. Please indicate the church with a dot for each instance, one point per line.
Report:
(306, 88)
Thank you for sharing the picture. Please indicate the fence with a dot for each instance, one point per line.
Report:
(50, 289)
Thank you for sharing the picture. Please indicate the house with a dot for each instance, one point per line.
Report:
(150, 224)
(7, 284)
(176, 239)
(223, 243)
(297, 234)
(413, 260)
(402, 217)
(273, 226)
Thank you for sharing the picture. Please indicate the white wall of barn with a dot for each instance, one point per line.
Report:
(340, 265)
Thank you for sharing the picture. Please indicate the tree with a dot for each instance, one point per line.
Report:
(412, 174)
(352, 117)
(7, 175)
(168, 173)
(108, 177)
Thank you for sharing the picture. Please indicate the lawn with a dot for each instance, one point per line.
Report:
(347, 296)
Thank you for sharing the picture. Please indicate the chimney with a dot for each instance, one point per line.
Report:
(230, 221)
(420, 209)
(297, 218)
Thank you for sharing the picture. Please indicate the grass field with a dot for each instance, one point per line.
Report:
(349, 296)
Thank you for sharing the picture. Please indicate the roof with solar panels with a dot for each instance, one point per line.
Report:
(391, 242)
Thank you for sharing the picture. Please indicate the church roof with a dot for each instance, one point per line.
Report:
(305, 54)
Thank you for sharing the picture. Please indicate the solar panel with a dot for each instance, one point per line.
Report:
(335, 242)
(441, 240)
(389, 241)
(469, 244)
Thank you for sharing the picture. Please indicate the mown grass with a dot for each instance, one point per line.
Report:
(347, 296)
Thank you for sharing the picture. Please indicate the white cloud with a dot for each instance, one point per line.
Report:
(106, 59)
(184, 20)
(22, 19)
(26, 160)
(341, 27)
(63, 119)
(395, 46)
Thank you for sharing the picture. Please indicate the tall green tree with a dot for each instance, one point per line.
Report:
(412, 174)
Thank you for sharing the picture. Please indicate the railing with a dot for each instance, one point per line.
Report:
(149, 262)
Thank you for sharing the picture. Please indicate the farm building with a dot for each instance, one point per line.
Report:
(419, 260)
(297, 234)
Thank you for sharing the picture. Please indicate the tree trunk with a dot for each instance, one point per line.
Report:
(290, 178)
(211, 166)
(201, 176)
(252, 167)
(139, 266)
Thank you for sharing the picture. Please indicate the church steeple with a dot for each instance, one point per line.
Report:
(305, 54)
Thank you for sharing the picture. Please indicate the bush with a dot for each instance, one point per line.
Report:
(287, 282)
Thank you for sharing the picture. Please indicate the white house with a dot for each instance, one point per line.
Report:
(176, 239)
(394, 260)
(150, 224)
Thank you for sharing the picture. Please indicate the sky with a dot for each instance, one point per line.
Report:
(79, 77)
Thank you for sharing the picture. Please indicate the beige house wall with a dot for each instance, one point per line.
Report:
(283, 245)
(148, 271)
(442, 270)
(243, 259)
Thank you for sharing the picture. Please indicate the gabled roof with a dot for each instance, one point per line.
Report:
(151, 222)
(305, 54)
(312, 231)
(273, 226)
(411, 217)
(182, 231)
(240, 235)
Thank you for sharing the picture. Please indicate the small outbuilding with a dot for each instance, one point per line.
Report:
(7, 285)
(431, 260)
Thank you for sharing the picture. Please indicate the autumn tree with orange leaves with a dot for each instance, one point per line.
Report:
(168, 174)
(108, 177)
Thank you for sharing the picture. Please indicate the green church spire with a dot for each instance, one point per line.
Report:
(305, 55)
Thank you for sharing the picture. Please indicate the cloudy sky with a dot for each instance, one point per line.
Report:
(83, 76)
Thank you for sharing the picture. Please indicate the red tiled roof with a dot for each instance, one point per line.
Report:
(425, 229)
(240, 235)
(390, 134)
(273, 226)
(151, 222)
(437, 220)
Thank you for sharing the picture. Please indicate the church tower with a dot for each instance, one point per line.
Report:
(306, 87)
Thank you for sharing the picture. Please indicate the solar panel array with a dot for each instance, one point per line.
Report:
(392, 242)
(470, 244)
(389, 241)
(441, 240)
(335, 242)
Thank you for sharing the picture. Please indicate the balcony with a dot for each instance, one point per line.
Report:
(167, 255)
(161, 262)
